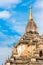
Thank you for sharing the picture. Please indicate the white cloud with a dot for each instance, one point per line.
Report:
(19, 29)
(38, 14)
(38, 4)
(11, 40)
(39, 20)
(3, 36)
(18, 26)
(6, 40)
(7, 3)
(4, 53)
(5, 14)
(27, 3)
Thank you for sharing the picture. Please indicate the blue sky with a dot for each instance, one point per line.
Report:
(14, 15)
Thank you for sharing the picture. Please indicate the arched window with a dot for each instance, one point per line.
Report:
(40, 53)
(14, 58)
(11, 62)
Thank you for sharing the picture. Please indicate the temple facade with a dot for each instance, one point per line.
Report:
(29, 49)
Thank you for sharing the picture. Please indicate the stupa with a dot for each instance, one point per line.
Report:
(29, 49)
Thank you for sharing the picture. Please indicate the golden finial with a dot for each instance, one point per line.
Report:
(30, 17)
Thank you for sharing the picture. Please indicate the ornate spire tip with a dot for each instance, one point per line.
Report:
(30, 17)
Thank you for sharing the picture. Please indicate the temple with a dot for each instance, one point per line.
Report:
(29, 49)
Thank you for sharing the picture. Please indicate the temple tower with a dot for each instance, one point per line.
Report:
(31, 26)
(29, 49)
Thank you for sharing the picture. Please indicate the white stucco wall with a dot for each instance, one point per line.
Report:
(21, 48)
(7, 63)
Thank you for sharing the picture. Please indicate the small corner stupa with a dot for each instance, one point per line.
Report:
(29, 49)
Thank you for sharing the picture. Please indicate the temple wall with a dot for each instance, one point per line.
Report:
(22, 49)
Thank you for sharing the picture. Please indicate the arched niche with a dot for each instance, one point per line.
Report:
(40, 53)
